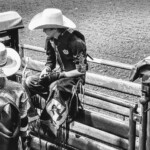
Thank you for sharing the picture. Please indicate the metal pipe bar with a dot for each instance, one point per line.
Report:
(81, 142)
(33, 48)
(144, 101)
(110, 63)
(143, 127)
(113, 84)
(40, 143)
(148, 129)
(132, 129)
(94, 60)
(111, 99)
(103, 122)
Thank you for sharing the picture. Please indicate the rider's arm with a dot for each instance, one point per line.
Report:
(51, 59)
(72, 73)
(78, 48)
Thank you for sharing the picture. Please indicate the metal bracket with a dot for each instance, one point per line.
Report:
(137, 117)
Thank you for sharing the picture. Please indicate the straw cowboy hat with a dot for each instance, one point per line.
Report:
(50, 18)
(9, 60)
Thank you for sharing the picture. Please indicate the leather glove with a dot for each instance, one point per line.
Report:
(45, 71)
(48, 79)
(26, 142)
(140, 67)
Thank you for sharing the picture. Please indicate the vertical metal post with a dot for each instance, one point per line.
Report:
(14, 36)
(148, 129)
(144, 105)
(132, 129)
(142, 128)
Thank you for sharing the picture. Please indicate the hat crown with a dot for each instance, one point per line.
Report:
(52, 16)
(3, 54)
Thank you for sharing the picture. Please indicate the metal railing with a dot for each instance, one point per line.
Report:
(143, 117)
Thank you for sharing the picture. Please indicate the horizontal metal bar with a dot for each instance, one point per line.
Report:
(113, 84)
(99, 135)
(110, 63)
(105, 105)
(81, 142)
(111, 99)
(94, 60)
(33, 48)
(104, 122)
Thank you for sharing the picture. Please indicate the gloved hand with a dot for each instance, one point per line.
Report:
(48, 79)
(46, 71)
(26, 143)
(141, 66)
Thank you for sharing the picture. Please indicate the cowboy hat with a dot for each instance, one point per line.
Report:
(9, 60)
(50, 18)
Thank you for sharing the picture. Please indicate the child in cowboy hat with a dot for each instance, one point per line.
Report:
(66, 57)
(9, 64)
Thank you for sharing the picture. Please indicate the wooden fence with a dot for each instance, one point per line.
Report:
(97, 128)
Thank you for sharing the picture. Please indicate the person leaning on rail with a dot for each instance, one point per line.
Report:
(9, 64)
(66, 56)
(140, 67)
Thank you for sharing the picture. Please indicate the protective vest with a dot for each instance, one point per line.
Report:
(64, 47)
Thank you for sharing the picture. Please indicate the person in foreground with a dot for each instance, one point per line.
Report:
(66, 59)
(14, 92)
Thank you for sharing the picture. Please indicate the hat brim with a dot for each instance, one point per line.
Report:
(13, 62)
(37, 23)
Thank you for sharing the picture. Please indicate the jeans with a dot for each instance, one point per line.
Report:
(62, 86)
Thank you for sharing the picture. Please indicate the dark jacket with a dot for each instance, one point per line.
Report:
(69, 51)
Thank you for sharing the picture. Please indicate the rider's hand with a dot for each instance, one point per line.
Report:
(48, 79)
(45, 72)
(26, 142)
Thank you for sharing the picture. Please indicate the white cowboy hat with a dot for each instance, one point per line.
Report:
(50, 18)
(9, 60)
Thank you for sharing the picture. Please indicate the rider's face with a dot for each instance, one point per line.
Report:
(50, 32)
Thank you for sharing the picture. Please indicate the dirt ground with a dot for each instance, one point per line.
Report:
(117, 30)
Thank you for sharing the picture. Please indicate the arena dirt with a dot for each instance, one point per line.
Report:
(117, 30)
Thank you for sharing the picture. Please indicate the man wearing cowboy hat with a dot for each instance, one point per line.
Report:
(66, 55)
(9, 64)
